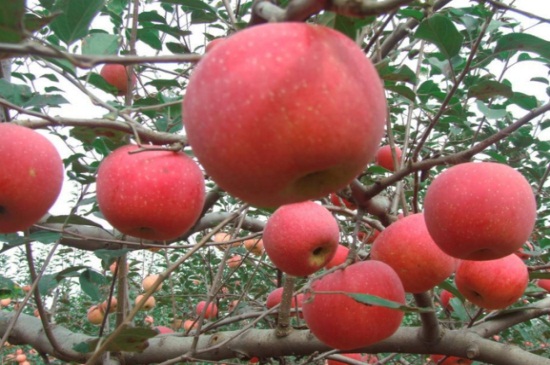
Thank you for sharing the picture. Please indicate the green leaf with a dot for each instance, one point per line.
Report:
(177, 48)
(16, 94)
(150, 37)
(381, 302)
(523, 42)
(402, 90)
(129, 340)
(91, 283)
(40, 100)
(47, 283)
(442, 32)
(151, 16)
(11, 21)
(75, 19)
(487, 89)
(490, 113)
(45, 236)
(403, 73)
(524, 101)
(100, 44)
(7, 287)
(108, 256)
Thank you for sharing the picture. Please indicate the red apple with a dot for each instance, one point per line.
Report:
(409, 249)
(544, 284)
(234, 261)
(254, 246)
(384, 157)
(521, 251)
(31, 177)
(189, 325)
(213, 43)
(95, 315)
(162, 330)
(354, 356)
(156, 195)
(493, 284)
(5, 302)
(450, 360)
(341, 202)
(368, 237)
(358, 325)
(480, 211)
(282, 129)
(445, 297)
(117, 76)
(149, 303)
(112, 307)
(339, 257)
(301, 238)
(210, 312)
(148, 282)
(276, 296)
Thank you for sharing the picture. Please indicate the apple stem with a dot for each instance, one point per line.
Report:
(283, 320)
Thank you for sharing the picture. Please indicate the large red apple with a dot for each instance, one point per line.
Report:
(117, 76)
(384, 157)
(156, 195)
(450, 360)
(409, 249)
(480, 211)
(284, 112)
(493, 284)
(31, 176)
(544, 284)
(301, 238)
(354, 325)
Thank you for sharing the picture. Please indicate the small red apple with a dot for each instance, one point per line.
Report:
(112, 307)
(339, 257)
(149, 303)
(445, 297)
(149, 320)
(358, 324)
(493, 284)
(162, 330)
(20, 358)
(282, 130)
(450, 360)
(156, 195)
(276, 296)
(234, 261)
(409, 249)
(189, 325)
(301, 238)
(210, 312)
(31, 177)
(480, 211)
(117, 76)
(354, 356)
(341, 202)
(544, 284)
(148, 282)
(5, 302)
(95, 315)
(384, 157)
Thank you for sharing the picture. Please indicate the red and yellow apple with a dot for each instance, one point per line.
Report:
(358, 325)
(148, 282)
(117, 76)
(95, 315)
(480, 211)
(493, 284)
(282, 129)
(409, 249)
(384, 157)
(112, 307)
(155, 195)
(31, 177)
(210, 312)
(149, 302)
(301, 238)
(5, 302)
(254, 246)
(234, 261)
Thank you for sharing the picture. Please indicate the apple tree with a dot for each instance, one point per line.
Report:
(359, 182)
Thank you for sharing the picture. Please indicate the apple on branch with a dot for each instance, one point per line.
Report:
(384, 157)
(31, 177)
(267, 119)
(155, 195)
(117, 76)
(301, 238)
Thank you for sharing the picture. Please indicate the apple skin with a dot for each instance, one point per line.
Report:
(451, 360)
(493, 284)
(117, 75)
(358, 325)
(301, 238)
(155, 195)
(544, 284)
(409, 249)
(384, 157)
(480, 211)
(266, 119)
(211, 310)
(30, 179)
(339, 257)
